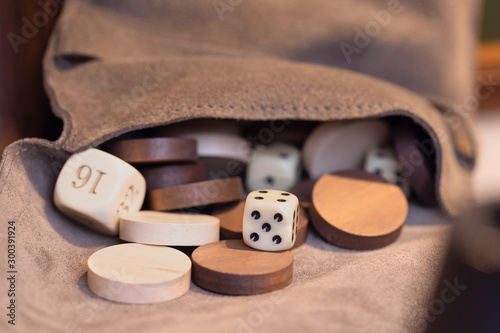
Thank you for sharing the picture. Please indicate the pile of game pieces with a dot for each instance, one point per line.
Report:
(170, 189)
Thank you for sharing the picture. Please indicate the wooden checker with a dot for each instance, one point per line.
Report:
(418, 167)
(303, 190)
(340, 145)
(230, 267)
(174, 229)
(154, 150)
(138, 273)
(174, 174)
(357, 210)
(196, 194)
(231, 222)
(301, 229)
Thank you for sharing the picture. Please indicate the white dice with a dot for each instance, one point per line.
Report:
(276, 167)
(95, 188)
(383, 161)
(270, 220)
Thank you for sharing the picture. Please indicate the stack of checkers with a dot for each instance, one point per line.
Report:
(191, 222)
(185, 209)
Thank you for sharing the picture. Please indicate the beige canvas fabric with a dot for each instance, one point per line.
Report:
(116, 66)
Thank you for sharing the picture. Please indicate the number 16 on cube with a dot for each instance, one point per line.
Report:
(95, 188)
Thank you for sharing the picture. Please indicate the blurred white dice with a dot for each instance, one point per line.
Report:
(275, 167)
(95, 188)
(270, 220)
(383, 161)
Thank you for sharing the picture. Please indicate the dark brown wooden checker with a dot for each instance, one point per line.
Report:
(232, 268)
(357, 210)
(173, 174)
(231, 222)
(301, 229)
(303, 191)
(221, 167)
(418, 167)
(196, 194)
(154, 150)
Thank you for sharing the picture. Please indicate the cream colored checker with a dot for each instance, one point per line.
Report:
(95, 188)
(175, 229)
(221, 145)
(340, 145)
(138, 273)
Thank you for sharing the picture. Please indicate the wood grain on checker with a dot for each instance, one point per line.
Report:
(357, 210)
(196, 194)
(417, 166)
(173, 229)
(174, 174)
(138, 273)
(154, 150)
(230, 267)
(231, 222)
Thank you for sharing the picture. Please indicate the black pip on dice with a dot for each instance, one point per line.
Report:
(270, 220)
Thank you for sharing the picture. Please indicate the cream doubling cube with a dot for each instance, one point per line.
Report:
(95, 188)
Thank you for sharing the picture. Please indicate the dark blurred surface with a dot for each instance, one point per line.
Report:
(467, 297)
(491, 21)
(25, 27)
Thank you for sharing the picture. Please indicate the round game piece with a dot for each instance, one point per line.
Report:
(138, 273)
(357, 210)
(221, 145)
(173, 229)
(154, 150)
(418, 167)
(174, 174)
(301, 229)
(339, 145)
(303, 190)
(231, 222)
(230, 267)
(196, 194)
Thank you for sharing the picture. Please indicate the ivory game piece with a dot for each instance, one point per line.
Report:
(231, 222)
(276, 167)
(383, 162)
(339, 145)
(270, 220)
(139, 274)
(95, 188)
(173, 229)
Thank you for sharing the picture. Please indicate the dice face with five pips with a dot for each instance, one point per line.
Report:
(270, 220)
(95, 188)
